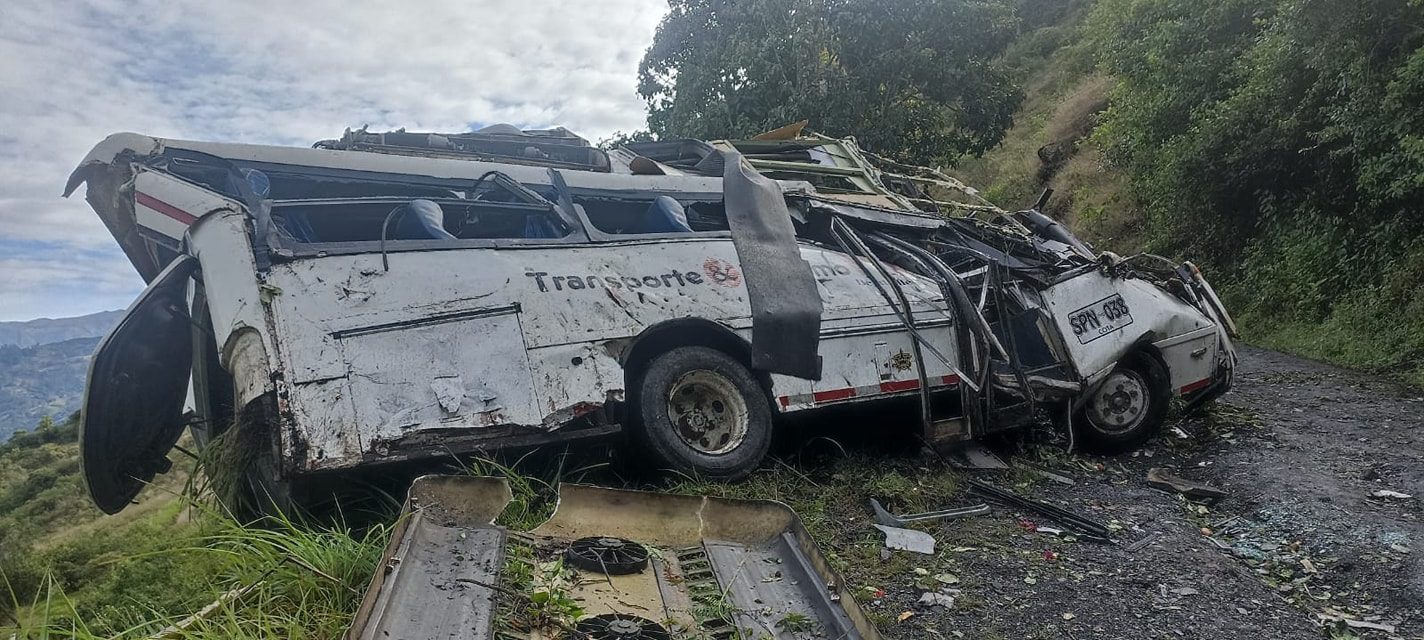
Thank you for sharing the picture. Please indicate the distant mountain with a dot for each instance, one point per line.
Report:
(47, 380)
(32, 333)
(42, 367)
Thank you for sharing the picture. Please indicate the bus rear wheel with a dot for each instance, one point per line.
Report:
(701, 412)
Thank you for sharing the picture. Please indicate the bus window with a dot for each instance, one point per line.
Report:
(662, 214)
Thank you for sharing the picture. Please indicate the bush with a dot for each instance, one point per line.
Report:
(1283, 142)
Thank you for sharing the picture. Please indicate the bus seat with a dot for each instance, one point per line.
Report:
(422, 220)
(665, 215)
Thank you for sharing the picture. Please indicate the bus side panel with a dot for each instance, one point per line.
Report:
(581, 299)
(872, 361)
(584, 304)
(373, 356)
(615, 290)
(865, 350)
(470, 372)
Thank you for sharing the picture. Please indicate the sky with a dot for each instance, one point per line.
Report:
(272, 72)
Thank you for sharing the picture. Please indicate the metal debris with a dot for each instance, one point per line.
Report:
(935, 599)
(1087, 528)
(908, 539)
(974, 456)
(1047, 475)
(1160, 479)
(891, 520)
(1142, 543)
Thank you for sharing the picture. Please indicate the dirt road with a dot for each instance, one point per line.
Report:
(1302, 448)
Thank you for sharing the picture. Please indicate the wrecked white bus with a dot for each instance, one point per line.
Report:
(402, 297)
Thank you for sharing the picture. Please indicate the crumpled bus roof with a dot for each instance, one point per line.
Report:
(822, 173)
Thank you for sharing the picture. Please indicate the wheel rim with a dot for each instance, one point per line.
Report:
(1120, 404)
(708, 412)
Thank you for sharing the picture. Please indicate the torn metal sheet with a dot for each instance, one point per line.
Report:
(645, 562)
(1164, 480)
(891, 520)
(437, 577)
(908, 539)
(785, 305)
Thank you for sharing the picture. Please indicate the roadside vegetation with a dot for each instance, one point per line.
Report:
(1276, 142)
(175, 565)
(68, 571)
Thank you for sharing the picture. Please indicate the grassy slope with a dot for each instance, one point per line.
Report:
(76, 573)
(1062, 96)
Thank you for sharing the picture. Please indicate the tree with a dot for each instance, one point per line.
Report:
(919, 80)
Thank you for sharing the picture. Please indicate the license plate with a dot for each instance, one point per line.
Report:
(1100, 318)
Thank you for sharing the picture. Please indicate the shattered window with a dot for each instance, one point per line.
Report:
(662, 214)
(414, 219)
(822, 182)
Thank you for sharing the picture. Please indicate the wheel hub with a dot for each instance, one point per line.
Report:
(1120, 404)
(626, 628)
(707, 412)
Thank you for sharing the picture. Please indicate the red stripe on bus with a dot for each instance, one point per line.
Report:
(1200, 384)
(833, 395)
(900, 385)
(165, 208)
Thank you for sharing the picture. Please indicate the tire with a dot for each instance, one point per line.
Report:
(1128, 408)
(701, 412)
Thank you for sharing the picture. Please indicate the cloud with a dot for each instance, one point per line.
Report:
(55, 280)
(278, 73)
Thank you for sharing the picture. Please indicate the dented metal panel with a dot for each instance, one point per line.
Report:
(1102, 317)
(786, 309)
(469, 339)
(445, 541)
(724, 568)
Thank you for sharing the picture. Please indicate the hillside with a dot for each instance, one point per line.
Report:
(31, 333)
(69, 571)
(1277, 150)
(42, 381)
(52, 534)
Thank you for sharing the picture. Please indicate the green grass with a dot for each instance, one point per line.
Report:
(68, 571)
(293, 581)
(133, 576)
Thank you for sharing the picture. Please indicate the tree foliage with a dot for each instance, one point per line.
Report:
(919, 80)
(1234, 111)
(1283, 139)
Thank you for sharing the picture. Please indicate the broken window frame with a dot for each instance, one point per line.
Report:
(298, 249)
(599, 236)
(285, 246)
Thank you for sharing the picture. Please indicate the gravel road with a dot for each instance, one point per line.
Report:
(1304, 540)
